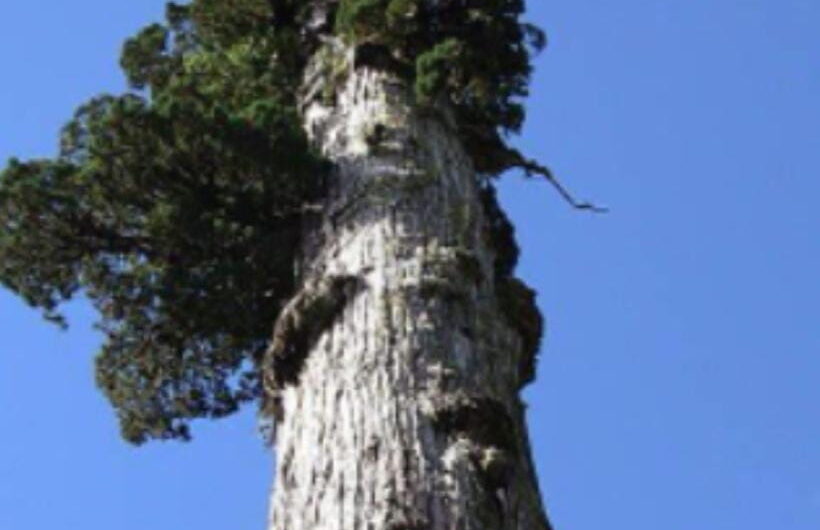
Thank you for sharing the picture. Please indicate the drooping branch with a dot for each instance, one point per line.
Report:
(532, 168)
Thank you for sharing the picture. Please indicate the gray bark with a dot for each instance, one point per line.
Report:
(396, 372)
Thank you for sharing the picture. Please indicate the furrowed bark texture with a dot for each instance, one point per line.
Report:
(397, 381)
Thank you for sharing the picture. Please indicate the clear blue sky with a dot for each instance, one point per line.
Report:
(680, 382)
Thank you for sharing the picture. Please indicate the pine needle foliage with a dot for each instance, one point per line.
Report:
(176, 207)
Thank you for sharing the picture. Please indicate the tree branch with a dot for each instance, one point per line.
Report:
(531, 168)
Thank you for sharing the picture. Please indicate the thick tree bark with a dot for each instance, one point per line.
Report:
(397, 369)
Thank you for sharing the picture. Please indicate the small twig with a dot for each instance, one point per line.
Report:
(531, 167)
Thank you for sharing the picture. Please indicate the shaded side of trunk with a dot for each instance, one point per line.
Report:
(398, 370)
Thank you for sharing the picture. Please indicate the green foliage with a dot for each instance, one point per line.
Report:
(176, 208)
(144, 59)
(177, 212)
(432, 73)
(476, 53)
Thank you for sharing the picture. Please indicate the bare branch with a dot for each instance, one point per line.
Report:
(532, 168)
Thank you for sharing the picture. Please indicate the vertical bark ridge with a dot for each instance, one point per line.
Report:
(405, 413)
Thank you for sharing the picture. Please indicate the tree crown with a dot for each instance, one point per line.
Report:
(176, 207)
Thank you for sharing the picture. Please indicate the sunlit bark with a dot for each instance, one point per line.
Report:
(399, 407)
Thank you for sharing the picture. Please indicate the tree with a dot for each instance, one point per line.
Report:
(325, 168)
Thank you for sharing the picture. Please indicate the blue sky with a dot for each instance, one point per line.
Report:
(678, 385)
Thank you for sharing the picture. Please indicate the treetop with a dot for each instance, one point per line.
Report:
(176, 207)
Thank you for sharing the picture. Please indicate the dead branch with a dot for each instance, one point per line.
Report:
(532, 168)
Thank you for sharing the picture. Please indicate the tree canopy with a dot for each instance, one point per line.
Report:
(176, 207)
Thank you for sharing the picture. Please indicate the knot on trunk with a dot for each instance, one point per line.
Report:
(517, 303)
(483, 420)
(484, 434)
(305, 317)
(381, 58)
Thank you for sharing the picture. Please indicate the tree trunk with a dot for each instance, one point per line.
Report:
(398, 367)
